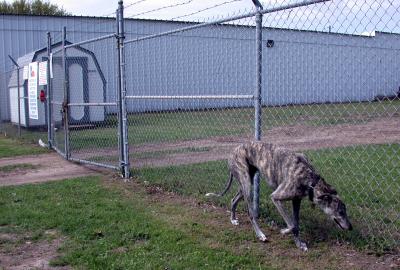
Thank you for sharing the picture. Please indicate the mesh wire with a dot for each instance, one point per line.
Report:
(330, 89)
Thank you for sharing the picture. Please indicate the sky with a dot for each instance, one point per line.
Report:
(182, 7)
(342, 16)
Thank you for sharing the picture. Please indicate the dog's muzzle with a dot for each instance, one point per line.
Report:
(348, 226)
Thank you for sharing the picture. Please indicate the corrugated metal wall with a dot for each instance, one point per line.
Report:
(20, 35)
(302, 67)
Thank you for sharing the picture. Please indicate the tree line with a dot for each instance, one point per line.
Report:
(33, 7)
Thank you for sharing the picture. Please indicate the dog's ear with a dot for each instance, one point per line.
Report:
(327, 188)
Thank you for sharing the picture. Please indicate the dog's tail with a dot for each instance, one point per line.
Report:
(227, 187)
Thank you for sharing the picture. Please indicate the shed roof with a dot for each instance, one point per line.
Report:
(24, 61)
(30, 57)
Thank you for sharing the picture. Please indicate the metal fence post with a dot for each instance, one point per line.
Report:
(257, 101)
(19, 102)
(18, 95)
(66, 95)
(49, 95)
(122, 110)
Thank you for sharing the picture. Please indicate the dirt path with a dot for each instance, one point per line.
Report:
(298, 137)
(48, 167)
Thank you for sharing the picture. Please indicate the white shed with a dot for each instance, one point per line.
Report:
(88, 86)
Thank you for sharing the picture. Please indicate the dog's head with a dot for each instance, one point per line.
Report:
(335, 209)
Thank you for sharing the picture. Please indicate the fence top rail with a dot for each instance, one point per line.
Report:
(93, 104)
(239, 17)
(83, 42)
(194, 97)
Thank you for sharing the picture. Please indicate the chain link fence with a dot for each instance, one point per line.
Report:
(329, 88)
(319, 77)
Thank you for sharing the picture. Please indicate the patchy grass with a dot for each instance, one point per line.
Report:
(371, 193)
(11, 147)
(17, 167)
(112, 225)
(109, 231)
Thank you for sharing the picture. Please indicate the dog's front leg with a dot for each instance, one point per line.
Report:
(285, 216)
(296, 217)
(277, 197)
(246, 190)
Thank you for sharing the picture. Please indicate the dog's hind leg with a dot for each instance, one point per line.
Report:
(235, 201)
(296, 217)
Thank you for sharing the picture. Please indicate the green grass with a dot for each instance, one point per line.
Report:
(107, 230)
(329, 114)
(11, 147)
(370, 188)
(189, 125)
(106, 224)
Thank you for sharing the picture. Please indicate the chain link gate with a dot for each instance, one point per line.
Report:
(85, 97)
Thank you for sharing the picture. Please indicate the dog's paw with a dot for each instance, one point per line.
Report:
(235, 222)
(301, 245)
(262, 238)
(286, 231)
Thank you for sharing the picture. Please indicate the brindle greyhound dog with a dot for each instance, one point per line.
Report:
(291, 176)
